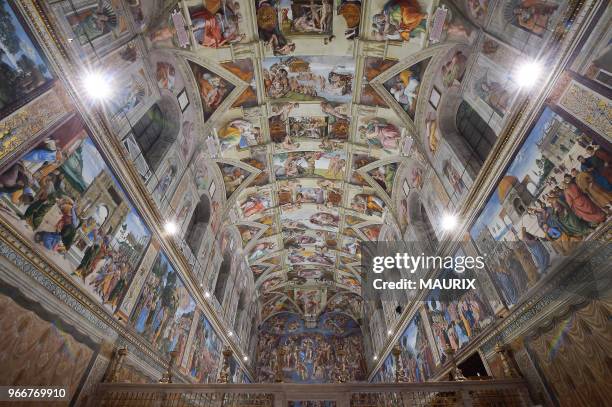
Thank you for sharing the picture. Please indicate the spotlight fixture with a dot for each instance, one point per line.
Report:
(97, 85)
(375, 357)
(230, 333)
(171, 228)
(527, 74)
(389, 332)
(246, 358)
(206, 294)
(449, 222)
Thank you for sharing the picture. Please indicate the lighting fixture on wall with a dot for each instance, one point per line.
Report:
(449, 222)
(171, 228)
(527, 74)
(97, 85)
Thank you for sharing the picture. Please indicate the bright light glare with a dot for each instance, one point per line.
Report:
(230, 333)
(170, 228)
(528, 74)
(245, 358)
(449, 222)
(207, 294)
(375, 357)
(389, 332)
(97, 85)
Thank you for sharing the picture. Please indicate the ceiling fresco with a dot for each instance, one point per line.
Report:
(315, 120)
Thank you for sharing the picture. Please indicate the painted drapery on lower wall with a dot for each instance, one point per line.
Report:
(62, 355)
(558, 352)
(310, 355)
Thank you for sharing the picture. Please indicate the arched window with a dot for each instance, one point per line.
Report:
(240, 310)
(223, 277)
(197, 225)
(157, 130)
(476, 133)
(380, 325)
(427, 228)
(423, 233)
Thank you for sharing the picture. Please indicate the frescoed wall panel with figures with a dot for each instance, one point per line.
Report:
(456, 317)
(164, 312)
(64, 198)
(417, 357)
(321, 354)
(204, 357)
(556, 193)
(24, 70)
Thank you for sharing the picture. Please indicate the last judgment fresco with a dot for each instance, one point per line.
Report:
(330, 351)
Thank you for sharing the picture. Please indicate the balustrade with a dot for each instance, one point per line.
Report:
(506, 392)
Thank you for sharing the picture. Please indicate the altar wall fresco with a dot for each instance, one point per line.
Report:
(311, 355)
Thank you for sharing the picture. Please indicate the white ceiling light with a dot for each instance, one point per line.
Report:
(97, 85)
(375, 357)
(171, 228)
(230, 333)
(527, 74)
(246, 358)
(207, 294)
(389, 332)
(448, 222)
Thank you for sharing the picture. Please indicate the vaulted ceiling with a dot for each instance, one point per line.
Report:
(318, 127)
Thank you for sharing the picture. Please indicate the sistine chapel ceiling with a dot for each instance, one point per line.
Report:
(319, 120)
